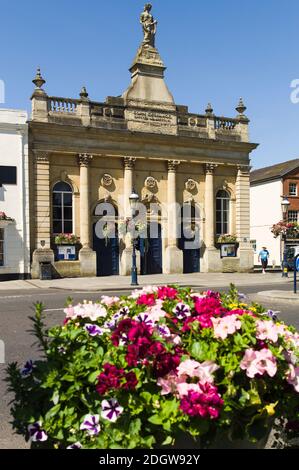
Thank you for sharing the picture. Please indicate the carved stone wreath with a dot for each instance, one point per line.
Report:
(150, 183)
(190, 184)
(107, 180)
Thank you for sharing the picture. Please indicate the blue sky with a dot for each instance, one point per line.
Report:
(215, 51)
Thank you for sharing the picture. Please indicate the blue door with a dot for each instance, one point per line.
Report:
(151, 250)
(191, 256)
(107, 251)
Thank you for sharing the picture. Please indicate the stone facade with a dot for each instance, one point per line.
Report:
(141, 139)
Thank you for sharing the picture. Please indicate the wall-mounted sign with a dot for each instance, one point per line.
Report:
(228, 250)
(66, 252)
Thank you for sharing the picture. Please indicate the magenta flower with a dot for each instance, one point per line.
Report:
(259, 363)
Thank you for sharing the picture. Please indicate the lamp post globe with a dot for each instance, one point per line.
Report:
(285, 204)
(134, 200)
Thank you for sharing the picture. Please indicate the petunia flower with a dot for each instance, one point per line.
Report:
(204, 371)
(94, 330)
(268, 330)
(145, 318)
(259, 363)
(182, 311)
(226, 326)
(109, 301)
(27, 369)
(91, 425)
(76, 445)
(37, 434)
(111, 410)
(293, 377)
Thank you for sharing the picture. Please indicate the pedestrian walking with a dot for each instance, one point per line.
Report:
(263, 258)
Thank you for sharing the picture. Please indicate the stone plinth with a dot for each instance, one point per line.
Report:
(212, 261)
(88, 261)
(173, 263)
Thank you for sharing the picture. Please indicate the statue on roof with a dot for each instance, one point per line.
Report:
(149, 26)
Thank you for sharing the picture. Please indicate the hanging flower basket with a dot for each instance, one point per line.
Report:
(155, 369)
(132, 227)
(288, 229)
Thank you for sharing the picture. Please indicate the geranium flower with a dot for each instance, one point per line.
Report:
(259, 363)
(182, 311)
(37, 434)
(91, 425)
(94, 330)
(111, 410)
(226, 326)
(76, 445)
(27, 370)
(293, 377)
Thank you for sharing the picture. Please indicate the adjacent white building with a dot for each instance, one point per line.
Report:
(267, 186)
(14, 195)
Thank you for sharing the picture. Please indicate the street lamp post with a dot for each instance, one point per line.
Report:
(285, 203)
(134, 199)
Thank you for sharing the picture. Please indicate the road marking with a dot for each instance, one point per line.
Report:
(54, 310)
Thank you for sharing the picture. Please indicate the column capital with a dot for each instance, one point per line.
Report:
(84, 159)
(41, 156)
(129, 163)
(210, 168)
(173, 165)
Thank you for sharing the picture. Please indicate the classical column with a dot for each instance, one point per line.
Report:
(212, 261)
(210, 206)
(243, 217)
(87, 256)
(173, 256)
(42, 216)
(129, 163)
(84, 162)
(126, 256)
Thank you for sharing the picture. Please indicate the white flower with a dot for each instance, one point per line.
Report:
(111, 410)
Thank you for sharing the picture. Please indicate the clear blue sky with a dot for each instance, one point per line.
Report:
(215, 51)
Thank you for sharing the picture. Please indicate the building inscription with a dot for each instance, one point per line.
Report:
(153, 118)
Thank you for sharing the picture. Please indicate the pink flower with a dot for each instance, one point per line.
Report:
(268, 330)
(166, 292)
(169, 383)
(203, 370)
(259, 363)
(184, 388)
(109, 301)
(293, 377)
(226, 326)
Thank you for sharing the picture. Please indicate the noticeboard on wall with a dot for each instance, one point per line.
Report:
(66, 252)
(228, 250)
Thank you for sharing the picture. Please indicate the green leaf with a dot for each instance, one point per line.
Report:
(52, 412)
(155, 419)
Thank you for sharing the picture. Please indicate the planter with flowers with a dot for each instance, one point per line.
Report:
(156, 368)
(67, 246)
(5, 220)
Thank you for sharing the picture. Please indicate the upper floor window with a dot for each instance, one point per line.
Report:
(1, 247)
(222, 212)
(62, 208)
(293, 189)
(293, 216)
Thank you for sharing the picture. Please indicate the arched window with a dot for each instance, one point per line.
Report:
(62, 208)
(222, 212)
